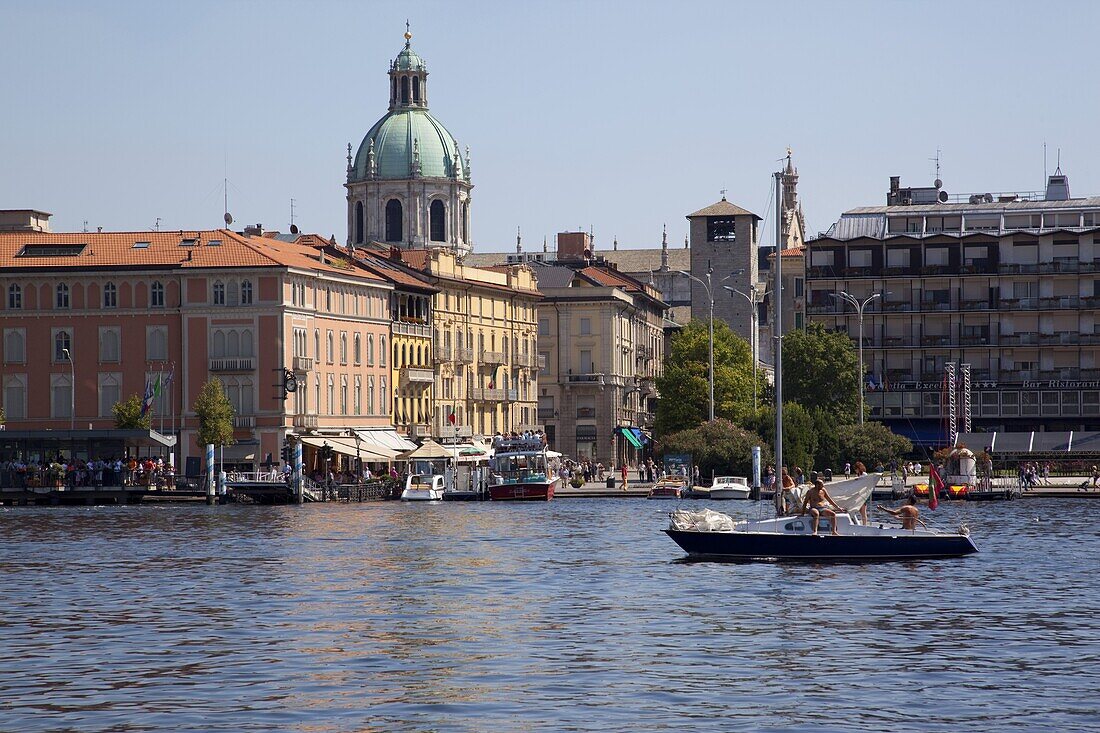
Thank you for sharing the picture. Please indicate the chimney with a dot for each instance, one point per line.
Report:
(254, 230)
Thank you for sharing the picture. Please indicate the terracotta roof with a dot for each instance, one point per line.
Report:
(722, 208)
(610, 278)
(415, 258)
(392, 271)
(93, 250)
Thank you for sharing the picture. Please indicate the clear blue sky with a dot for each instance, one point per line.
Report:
(616, 115)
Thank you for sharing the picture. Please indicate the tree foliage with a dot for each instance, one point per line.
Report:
(215, 414)
(684, 386)
(719, 448)
(872, 443)
(800, 438)
(820, 372)
(128, 415)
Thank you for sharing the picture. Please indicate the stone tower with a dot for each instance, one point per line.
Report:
(408, 185)
(724, 245)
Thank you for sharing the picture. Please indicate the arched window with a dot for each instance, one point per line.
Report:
(62, 295)
(465, 221)
(343, 394)
(246, 292)
(343, 347)
(357, 396)
(370, 349)
(108, 345)
(437, 228)
(394, 224)
(246, 342)
(416, 88)
(383, 397)
(233, 344)
(62, 342)
(110, 296)
(358, 222)
(370, 395)
(219, 344)
(219, 292)
(393, 90)
(357, 349)
(331, 394)
(15, 296)
(231, 298)
(317, 344)
(382, 351)
(404, 90)
(14, 347)
(156, 294)
(328, 349)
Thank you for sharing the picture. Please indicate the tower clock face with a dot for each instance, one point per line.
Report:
(290, 382)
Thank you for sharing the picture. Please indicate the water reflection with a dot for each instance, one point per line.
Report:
(564, 616)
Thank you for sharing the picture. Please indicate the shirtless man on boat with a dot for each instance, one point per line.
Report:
(908, 513)
(817, 502)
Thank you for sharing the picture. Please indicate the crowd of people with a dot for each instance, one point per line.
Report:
(79, 473)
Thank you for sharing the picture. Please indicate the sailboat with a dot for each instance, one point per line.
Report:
(710, 535)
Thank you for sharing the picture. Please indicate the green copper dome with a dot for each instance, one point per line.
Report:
(396, 136)
(407, 60)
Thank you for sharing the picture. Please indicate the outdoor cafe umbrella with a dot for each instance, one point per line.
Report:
(430, 450)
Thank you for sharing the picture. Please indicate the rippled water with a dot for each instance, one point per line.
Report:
(575, 615)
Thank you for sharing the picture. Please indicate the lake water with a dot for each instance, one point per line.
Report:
(576, 615)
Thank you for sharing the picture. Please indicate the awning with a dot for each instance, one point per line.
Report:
(347, 447)
(385, 438)
(237, 453)
(929, 435)
(632, 435)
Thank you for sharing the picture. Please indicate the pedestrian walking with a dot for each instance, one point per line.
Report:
(622, 471)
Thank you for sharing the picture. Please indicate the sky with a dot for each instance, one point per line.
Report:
(616, 116)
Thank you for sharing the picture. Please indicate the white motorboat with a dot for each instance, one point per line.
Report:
(729, 487)
(423, 487)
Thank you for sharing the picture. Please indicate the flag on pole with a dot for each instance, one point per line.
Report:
(935, 485)
(147, 400)
(171, 375)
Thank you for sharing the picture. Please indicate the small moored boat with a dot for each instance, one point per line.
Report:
(423, 487)
(729, 487)
(668, 487)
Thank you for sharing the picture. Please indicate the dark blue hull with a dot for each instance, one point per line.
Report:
(848, 548)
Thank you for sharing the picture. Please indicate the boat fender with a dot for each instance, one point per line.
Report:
(964, 530)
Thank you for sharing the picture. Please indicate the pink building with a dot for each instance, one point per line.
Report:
(116, 310)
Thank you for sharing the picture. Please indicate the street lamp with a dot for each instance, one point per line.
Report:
(859, 306)
(753, 299)
(72, 389)
(710, 327)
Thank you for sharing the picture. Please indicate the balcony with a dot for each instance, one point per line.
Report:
(523, 360)
(408, 328)
(935, 340)
(493, 357)
(305, 421)
(822, 308)
(645, 352)
(897, 341)
(420, 430)
(302, 364)
(1060, 302)
(244, 421)
(1088, 339)
(442, 354)
(233, 364)
(416, 375)
(1019, 339)
(586, 412)
(464, 356)
(513, 395)
(590, 379)
(1013, 268)
(893, 306)
(980, 304)
(975, 340)
(546, 413)
(486, 394)
(541, 361)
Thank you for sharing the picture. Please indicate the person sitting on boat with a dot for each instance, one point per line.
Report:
(819, 503)
(909, 514)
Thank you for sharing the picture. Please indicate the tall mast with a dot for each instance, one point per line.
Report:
(778, 287)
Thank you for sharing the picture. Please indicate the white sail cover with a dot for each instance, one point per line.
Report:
(850, 494)
(707, 520)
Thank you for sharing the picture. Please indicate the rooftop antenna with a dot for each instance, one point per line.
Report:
(292, 212)
(156, 226)
(1044, 162)
(937, 160)
(226, 216)
(1058, 165)
(85, 226)
(723, 192)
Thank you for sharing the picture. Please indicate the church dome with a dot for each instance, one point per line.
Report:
(408, 60)
(398, 138)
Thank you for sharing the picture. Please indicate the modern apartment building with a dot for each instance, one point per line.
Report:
(1007, 283)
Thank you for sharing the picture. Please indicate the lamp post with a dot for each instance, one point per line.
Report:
(859, 306)
(72, 389)
(753, 299)
(710, 331)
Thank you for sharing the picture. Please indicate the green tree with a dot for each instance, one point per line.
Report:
(820, 372)
(719, 448)
(800, 437)
(872, 443)
(128, 416)
(684, 386)
(215, 415)
(828, 444)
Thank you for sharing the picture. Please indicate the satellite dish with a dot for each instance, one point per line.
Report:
(293, 228)
(942, 197)
(937, 183)
(228, 218)
(988, 198)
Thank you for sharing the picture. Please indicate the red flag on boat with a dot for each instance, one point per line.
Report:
(935, 486)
